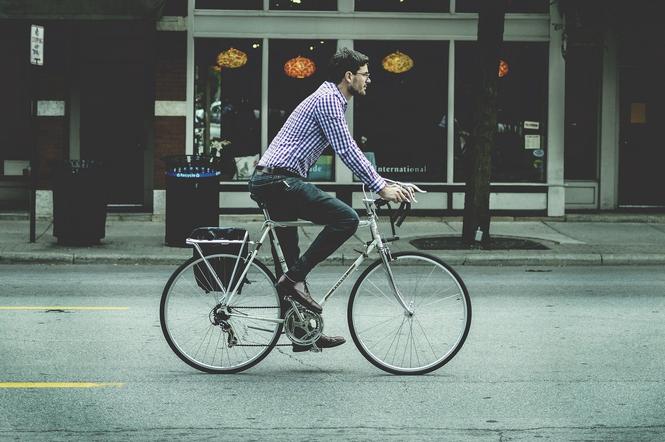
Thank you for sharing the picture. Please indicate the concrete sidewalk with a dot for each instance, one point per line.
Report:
(594, 239)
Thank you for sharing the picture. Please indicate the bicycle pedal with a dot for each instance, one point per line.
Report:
(315, 349)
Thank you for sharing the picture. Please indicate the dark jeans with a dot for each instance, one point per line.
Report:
(287, 199)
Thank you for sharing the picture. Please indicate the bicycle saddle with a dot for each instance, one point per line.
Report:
(258, 201)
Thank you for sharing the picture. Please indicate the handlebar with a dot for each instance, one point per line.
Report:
(398, 217)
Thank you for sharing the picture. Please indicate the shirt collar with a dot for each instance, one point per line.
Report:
(338, 94)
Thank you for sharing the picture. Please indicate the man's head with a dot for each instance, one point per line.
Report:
(348, 70)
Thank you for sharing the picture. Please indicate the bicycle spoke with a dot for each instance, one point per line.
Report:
(392, 300)
(426, 338)
(456, 295)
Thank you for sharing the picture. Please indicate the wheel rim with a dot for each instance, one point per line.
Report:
(414, 343)
(198, 329)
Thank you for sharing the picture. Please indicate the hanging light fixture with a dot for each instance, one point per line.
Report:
(397, 62)
(299, 67)
(231, 58)
(503, 68)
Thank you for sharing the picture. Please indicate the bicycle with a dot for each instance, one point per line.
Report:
(408, 312)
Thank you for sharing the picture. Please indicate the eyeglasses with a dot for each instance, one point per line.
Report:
(364, 74)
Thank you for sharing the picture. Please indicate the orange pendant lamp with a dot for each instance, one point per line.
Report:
(299, 67)
(397, 62)
(231, 58)
(503, 68)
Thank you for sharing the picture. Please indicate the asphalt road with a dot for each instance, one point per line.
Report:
(560, 353)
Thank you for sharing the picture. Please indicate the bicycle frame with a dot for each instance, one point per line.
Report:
(269, 228)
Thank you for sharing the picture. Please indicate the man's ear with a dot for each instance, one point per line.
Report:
(347, 76)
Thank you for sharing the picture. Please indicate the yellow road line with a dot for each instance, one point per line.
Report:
(60, 384)
(57, 307)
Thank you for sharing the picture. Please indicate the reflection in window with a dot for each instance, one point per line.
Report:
(229, 4)
(515, 6)
(519, 152)
(583, 73)
(227, 92)
(14, 90)
(398, 124)
(296, 69)
(304, 5)
(403, 5)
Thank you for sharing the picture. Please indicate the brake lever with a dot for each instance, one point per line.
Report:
(402, 211)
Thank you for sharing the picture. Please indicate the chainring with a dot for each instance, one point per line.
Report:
(303, 332)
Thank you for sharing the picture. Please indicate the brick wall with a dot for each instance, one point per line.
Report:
(51, 138)
(171, 66)
(170, 85)
(169, 140)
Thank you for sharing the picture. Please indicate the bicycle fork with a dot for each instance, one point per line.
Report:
(384, 251)
(391, 279)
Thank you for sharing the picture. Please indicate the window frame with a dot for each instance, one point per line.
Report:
(345, 26)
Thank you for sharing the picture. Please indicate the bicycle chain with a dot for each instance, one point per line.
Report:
(252, 307)
(257, 345)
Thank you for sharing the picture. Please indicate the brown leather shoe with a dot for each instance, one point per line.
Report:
(298, 291)
(323, 342)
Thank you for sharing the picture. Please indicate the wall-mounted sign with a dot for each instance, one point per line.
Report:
(37, 45)
(531, 125)
(532, 141)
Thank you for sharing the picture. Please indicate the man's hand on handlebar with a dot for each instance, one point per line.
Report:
(396, 193)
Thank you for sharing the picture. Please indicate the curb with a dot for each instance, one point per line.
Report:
(463, 259)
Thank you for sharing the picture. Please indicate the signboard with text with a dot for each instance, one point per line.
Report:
(37, 45)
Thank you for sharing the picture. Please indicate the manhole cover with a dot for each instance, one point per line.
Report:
(455, 243)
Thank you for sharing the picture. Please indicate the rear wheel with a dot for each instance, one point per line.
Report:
(209, 334)
(400, 343)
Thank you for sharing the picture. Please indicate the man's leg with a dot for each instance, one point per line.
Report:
(271, 190)
(306, 201)
(340, 221)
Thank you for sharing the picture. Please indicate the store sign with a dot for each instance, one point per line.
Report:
(532, 141)
(37, 45)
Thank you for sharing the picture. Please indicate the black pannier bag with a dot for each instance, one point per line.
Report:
(223, 267)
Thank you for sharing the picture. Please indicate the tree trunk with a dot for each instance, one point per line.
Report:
(478, 160)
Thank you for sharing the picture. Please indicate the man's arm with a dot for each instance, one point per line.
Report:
(330, 115)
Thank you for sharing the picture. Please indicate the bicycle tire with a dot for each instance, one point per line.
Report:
(193, 290)
(372, 288)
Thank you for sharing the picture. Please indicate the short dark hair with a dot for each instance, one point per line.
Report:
(344, 60)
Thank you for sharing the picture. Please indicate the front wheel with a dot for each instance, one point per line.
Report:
(402, 343)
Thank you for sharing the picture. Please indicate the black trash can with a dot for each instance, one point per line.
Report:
(79, 202)
(192, 195)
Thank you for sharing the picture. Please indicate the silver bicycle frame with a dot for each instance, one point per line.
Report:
(269, 227)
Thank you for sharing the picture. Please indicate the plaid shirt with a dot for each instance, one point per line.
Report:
(317, 122)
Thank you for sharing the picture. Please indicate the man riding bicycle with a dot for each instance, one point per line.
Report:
(279, 178)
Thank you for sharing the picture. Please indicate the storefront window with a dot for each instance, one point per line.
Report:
(227, 118)
(292, 79)
(583, 74)
(519, 153)
(14, 112)
(229, 4)
(304, 5)
(515, 6)
(403, 6)
(398, 124)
